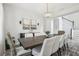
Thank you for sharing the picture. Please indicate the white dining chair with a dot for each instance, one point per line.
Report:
(17, 43)
(61, 43)
(62, 40)
(55, 47)
(45, 49)
(66, 44)
(18, 51)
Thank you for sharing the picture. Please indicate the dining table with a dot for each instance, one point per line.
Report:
(30, 42)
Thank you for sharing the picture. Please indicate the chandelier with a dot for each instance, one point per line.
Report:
(47, 13)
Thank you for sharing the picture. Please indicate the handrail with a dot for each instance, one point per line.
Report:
(66, 19)
(69, 21)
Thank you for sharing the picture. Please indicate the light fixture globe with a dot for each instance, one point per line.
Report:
(47, 14)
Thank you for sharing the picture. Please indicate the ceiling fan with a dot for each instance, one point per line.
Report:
(47, 14)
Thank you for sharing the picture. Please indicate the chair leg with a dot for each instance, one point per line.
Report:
(31, 53)
(66, 48)
(59, 52)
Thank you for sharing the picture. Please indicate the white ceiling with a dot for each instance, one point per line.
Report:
(56, 9)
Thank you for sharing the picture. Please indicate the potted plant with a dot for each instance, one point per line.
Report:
(47, 33)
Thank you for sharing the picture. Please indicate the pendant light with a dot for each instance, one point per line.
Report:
(47, 13)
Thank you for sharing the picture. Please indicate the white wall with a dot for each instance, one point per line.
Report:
(55, 25)
(47, 24)
(1, 31)
(60, 23)
(12, 17)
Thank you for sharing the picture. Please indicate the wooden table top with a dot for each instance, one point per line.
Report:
(30, 42)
